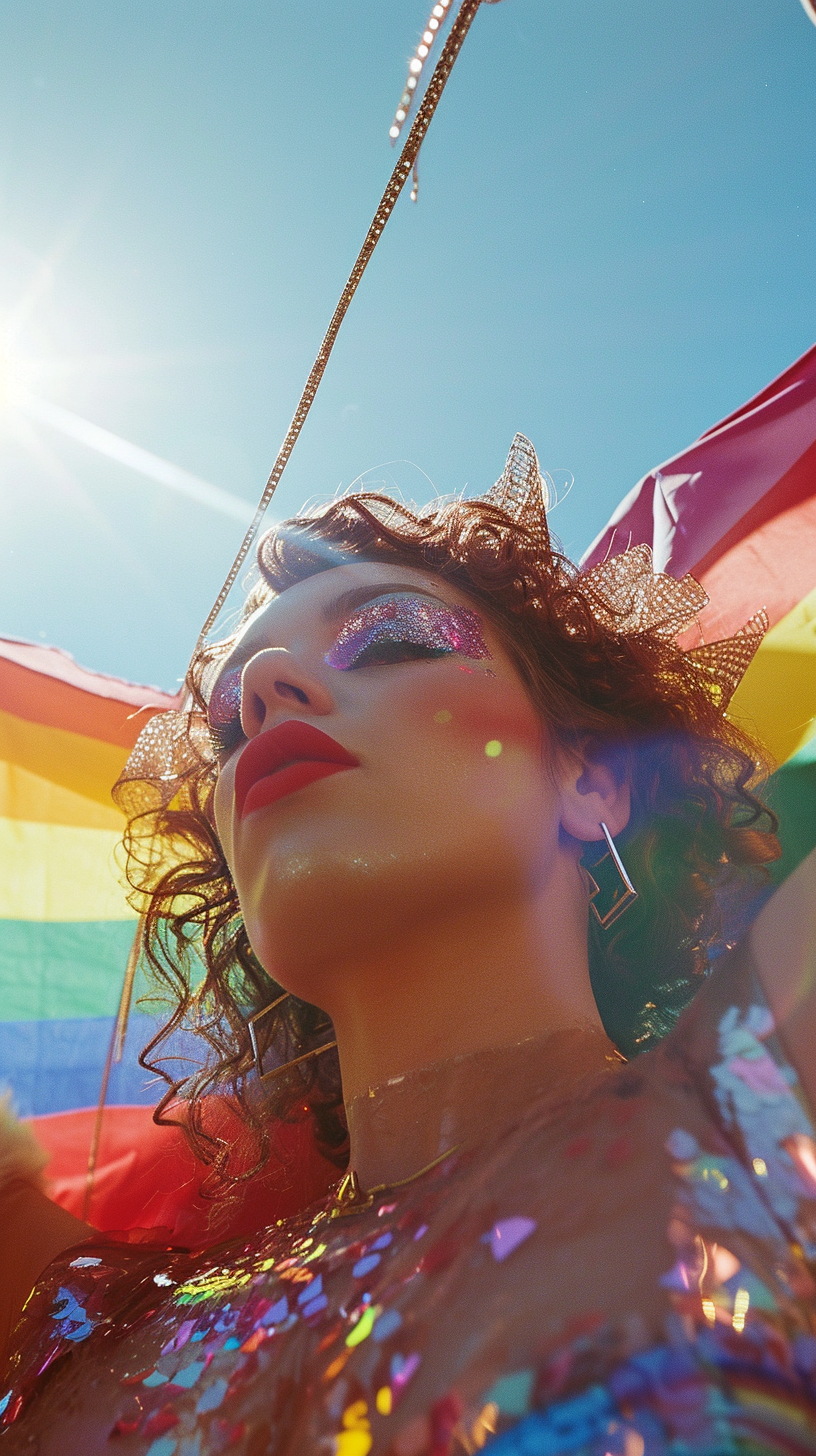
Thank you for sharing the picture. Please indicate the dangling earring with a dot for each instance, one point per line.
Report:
(286, 1066)
(617, 892)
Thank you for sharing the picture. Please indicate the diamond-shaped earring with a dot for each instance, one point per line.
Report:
(611, 892)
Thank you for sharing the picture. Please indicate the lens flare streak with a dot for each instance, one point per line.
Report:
(113, 447)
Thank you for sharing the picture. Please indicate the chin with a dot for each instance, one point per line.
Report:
(310, 911)
(312, 908)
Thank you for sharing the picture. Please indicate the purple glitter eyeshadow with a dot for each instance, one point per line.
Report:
(410, 619)
(224, 706)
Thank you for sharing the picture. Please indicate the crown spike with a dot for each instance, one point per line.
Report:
(521, 490)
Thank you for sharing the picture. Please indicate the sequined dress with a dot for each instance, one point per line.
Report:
(629, 1273)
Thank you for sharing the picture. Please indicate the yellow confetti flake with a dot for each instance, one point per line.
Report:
(384, 1400)
(715, 1175)
(210, 1285)
(493, 748)
(443, 716)
(298, 1275)
(363, 1327)
(760, 1167)
(353, 1443)
(355, 1438)
(485, 1424)
(709, 1311)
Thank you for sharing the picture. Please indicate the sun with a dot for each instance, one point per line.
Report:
(25, 412)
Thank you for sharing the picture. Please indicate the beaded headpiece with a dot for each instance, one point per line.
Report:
(628, 596)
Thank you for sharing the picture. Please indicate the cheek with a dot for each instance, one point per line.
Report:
(470, 734)
(222, 804)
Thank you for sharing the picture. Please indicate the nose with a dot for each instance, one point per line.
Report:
(273, 684)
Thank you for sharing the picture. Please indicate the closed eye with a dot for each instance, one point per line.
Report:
(224, 712)
(380, 654)
(401, 627)
(226, 736)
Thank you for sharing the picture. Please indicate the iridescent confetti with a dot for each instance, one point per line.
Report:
(507, 1234)
(363, 1327)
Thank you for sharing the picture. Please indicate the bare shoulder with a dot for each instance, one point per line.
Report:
(33, 1231)
(783, 945)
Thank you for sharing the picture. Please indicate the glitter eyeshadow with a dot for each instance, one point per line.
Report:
(408, 619)
(224, 709)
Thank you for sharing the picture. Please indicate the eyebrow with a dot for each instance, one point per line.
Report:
(332, 611)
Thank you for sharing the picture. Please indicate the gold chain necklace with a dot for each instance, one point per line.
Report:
(350, 1197)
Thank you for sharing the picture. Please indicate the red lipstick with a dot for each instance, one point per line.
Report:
(283, 759)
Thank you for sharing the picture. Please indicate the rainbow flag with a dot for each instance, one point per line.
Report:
(737, 509)
(66, 929)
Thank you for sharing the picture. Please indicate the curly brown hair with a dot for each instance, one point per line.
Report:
(607, 687)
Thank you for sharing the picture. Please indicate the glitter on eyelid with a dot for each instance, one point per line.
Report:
(408, 619)
(225, 700)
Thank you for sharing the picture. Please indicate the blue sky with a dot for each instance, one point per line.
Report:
(613, 247)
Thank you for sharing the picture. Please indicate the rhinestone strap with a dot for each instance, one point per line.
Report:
(399, 177)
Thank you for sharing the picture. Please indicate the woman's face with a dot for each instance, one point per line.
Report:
(426, 796)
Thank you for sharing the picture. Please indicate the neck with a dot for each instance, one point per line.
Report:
(399, 1129)
(431, 1036)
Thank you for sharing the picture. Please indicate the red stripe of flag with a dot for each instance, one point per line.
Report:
(44, 685)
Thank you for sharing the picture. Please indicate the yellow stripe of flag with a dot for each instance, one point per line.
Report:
(60, 872)
(86, 766)
(777, 697)
(26, 795)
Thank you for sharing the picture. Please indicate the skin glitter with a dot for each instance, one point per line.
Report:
(224, 710)
(395, 628)
(401, 621)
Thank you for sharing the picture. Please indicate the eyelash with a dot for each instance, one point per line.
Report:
(390, 650)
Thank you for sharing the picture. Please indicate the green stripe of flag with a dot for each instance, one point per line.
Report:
(55, 969)
(792, 794)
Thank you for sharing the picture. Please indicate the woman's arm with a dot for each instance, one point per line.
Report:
(783, 942)
(33, 1230)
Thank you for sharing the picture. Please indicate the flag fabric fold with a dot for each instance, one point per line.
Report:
(66, 930)
(65, 924)
(737, 510)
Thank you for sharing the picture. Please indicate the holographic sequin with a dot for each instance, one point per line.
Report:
(404, 619)
(272, 1342)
